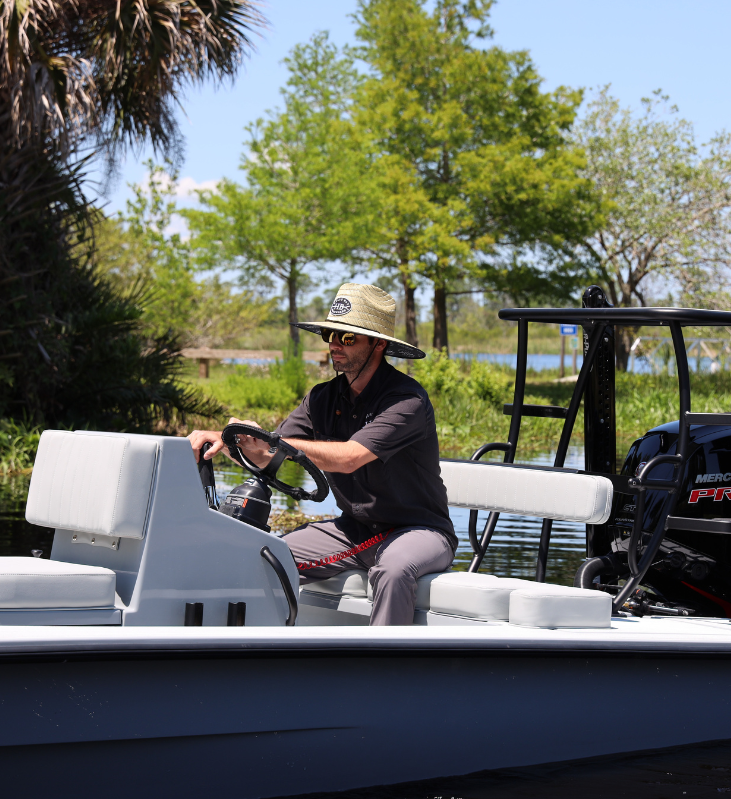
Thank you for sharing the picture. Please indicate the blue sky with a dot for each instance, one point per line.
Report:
(680, 46)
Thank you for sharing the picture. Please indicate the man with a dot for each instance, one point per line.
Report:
(371, 430)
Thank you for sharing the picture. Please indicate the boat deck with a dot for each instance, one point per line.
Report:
(651, 635)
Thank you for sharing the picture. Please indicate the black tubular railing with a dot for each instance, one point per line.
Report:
(480, 547)
(595, 338)
(638, 566)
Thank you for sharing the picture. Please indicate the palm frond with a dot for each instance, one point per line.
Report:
(113, 69)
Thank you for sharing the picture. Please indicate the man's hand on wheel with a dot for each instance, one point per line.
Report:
(252, 446)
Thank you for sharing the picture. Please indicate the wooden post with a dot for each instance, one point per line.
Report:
(563, 355)
(203, 367)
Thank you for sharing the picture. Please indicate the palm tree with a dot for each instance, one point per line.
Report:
(113, 68)
(79, 78)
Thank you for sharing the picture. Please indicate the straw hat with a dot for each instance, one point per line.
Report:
(367, 310)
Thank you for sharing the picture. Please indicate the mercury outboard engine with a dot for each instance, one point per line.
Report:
(250, 502)
(691, 569)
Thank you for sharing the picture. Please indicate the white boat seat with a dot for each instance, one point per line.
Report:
(352, 582)
(530, 492)
(92, 483)
(38, 583)
(557, 606)
(474, 596)
(425, 582)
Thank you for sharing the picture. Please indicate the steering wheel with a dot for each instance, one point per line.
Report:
(282, 450)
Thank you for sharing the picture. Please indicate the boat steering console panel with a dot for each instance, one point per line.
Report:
(129, 514)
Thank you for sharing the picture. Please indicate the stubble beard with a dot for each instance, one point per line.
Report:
(352, 363)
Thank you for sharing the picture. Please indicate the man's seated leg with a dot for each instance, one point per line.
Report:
(317, 548)
(407, 554)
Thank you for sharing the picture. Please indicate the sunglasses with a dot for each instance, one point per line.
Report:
(346, 339)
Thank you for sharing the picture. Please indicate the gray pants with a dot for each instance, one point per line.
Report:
(393, 565)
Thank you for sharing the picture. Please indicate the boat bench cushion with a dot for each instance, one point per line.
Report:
(352, 582)
(474, 596)
(557, 606)
(92, 483)
(40, 583)
(532, 492)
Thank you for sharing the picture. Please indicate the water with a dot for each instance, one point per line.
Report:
(540, 363)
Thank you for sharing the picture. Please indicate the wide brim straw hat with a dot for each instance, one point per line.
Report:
(367, 310)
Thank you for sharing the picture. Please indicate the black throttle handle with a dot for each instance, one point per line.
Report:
(208, 479)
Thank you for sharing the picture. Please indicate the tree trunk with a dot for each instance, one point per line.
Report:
(410, 310)
(292, 287)
(622, 346)
(440, 342)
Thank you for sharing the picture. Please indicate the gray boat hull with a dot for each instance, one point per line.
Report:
(261, 724)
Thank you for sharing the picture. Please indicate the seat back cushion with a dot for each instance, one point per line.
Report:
(92, 483)
(532, 492)
(474, 596)
(557, 606)
(39, 583)
(352, 582)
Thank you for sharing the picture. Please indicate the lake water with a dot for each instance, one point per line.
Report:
(537, 362)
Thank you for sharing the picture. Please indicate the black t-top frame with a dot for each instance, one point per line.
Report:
(595, 384)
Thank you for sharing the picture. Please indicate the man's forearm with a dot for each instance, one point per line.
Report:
(334, 456)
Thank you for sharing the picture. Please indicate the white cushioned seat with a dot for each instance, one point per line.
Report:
(532, 492)
(557, 606)
(92, 483)
(40, 583)
(423, 588)
(352, 582)
(474, 596)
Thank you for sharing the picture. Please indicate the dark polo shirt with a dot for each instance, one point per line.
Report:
(394, 419)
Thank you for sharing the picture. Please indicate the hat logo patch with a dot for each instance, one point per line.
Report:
(341, 306)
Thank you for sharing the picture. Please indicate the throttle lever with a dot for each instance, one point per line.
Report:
(205, 471)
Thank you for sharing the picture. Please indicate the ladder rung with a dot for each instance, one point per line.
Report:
(549, 411)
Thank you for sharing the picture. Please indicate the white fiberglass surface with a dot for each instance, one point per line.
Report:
(647, 633)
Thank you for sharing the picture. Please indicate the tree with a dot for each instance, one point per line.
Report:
(137, 251)
(475, 161)
(667, 205)
(302, 202)
(100, 75)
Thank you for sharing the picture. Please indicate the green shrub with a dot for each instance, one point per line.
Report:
(18, 445)
(489, 384)
(439, 374)
(245, 389)
(446, 378)
(292, 372)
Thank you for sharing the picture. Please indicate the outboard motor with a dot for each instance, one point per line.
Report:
(250, 502)
(691, 569)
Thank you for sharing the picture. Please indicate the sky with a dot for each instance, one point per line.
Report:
(679, 46)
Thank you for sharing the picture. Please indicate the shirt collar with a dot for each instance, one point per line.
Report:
(372, 389)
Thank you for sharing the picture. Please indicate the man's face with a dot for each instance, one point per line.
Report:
(351, 359)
